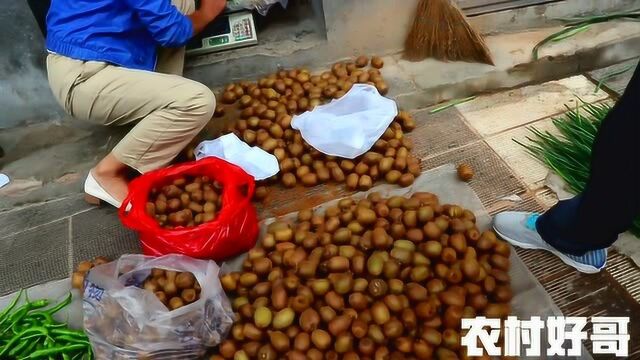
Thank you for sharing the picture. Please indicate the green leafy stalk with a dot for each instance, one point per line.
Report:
(578, 25)
(569, 153)
(572, 31)
(450, 104)
(611, 75)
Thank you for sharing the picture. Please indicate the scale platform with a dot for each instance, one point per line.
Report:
(229, 31)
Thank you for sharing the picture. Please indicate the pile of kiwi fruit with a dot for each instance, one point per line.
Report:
(375, 278)
(266, 108)
(296, 91)
(82, 268)
(185, 202)
(174, 289)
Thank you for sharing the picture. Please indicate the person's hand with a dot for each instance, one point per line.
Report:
(212, 8)
(209, 10)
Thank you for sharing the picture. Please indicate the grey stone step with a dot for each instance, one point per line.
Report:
(615, 77)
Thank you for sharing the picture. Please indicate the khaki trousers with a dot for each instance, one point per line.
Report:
(169, 110)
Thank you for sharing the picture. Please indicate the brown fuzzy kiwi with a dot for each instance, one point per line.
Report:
(465, 172)
(362, 61)
(377, 62)
(228, 97)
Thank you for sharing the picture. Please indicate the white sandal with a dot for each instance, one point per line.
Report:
(94, 193)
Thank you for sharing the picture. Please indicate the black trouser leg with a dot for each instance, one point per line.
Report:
(611, 200)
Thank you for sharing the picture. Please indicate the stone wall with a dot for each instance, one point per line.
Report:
(381, 26)
(24, 92)
(352, 27)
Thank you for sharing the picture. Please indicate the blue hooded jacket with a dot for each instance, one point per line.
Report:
(121, 32)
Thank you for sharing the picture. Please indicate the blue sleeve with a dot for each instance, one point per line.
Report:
(163, 20)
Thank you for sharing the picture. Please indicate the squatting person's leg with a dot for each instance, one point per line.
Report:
(170, 111)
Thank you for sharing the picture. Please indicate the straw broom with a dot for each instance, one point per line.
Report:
(441, 31)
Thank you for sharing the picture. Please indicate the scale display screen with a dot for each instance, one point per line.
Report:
(219, 27)
(226, 32)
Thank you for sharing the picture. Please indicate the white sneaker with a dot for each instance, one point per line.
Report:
(96, 193)
(519, 229)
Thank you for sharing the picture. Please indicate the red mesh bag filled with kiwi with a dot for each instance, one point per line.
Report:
(200, 209)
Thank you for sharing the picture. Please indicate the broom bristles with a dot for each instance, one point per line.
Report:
(441, 31)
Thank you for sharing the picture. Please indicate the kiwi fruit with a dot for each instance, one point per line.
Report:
(465, 172)
(362, 61)
(228, 97)
(377, 62)
(183, 203)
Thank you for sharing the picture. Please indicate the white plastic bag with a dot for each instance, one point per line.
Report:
(124, 321)
(255, 161)
(349, 126)
(261, 6)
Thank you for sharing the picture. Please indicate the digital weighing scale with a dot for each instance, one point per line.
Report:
(229, 31)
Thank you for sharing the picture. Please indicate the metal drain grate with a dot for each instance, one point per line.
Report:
(626, 273)
(493, 179)
(440, 132)
(612, 292)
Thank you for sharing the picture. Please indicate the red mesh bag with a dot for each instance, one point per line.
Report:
(233, 231)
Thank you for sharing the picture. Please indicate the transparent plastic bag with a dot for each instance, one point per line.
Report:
(124, 321)
(261, 6)
(349, 126)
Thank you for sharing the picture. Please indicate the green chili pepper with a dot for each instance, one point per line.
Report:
(15, 318)
(29, 349)
(16, 338)
(24, 343)
(7, 310)
(19, 314)
(25, 330)
(23, 325)
(72, 339)
(56, 350)
(37, 304)
(60, 305)
(18, 349)
(22, 311)
(46, 316)
(56, 326)
(28, 307)
(69, 332)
